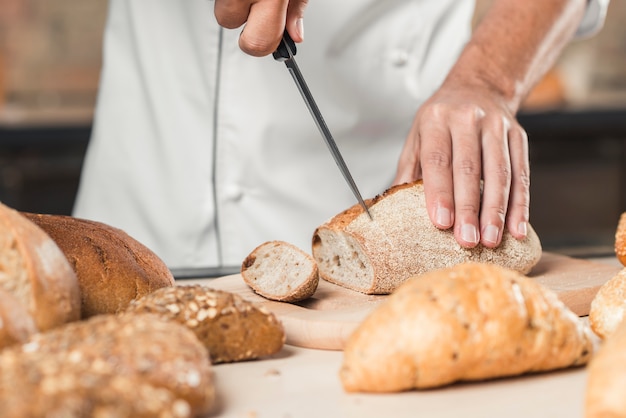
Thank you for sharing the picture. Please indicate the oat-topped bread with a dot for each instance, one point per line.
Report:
(470, 322)
(36, 273)
(134, 366)
(112, 267)
(620, 239)
(278, 270)
(231, 328)
(606, 378)
(375, 256)
(608, 306)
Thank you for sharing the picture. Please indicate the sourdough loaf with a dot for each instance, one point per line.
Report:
(608, 306)
(16, 324)
(280, 271)
(112, 267)
(470, 322)
(132, 366)
(34, 271)
(231, 328)
(620, 239)
(606, 381)
(375, 256)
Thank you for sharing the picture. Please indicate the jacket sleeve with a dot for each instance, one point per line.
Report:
(593, 20)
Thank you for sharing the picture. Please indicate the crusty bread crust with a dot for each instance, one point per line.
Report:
(16, 324)
(609, 305)
(620, 239)
(280, 271)
(231, 328)
(376, 256)
(40, 278)
(606, 384)
(112, 267)
(474, 321)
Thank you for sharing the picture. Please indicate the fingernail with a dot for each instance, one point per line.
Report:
(300, 27)
(443, 217)
(490, 234)
(469, 233)
(522, 228)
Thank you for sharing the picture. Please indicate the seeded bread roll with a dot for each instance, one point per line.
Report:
(469, 322)
(34, 271)
(376, 256)
(609, 305)
(16, 324)
(280, 271)
(231, 328)
(112, 267)
(620, 239)
(108, 366)
(606, 381)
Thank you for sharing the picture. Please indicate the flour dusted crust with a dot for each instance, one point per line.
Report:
(35, 272)
(129, 366)
(474, 321)
(376, 256)
(16, 324)
(609, 305)
(112, 267)
(606, 381)
(620, 239)
(231, 328)
(278, 270)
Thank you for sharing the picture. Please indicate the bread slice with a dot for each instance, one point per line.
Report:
(609, 305)
(376, 256)
(280, 271)
(606, 382)
(231, 328)
(36, 273)
(124, 366)
(620, 239)
(112, 267)
(470, 322)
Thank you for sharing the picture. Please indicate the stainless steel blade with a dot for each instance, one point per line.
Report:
(321, 124)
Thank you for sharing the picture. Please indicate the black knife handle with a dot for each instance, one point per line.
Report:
(282, 53)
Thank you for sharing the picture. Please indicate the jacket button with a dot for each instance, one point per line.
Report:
(233, 192)
(399, 58)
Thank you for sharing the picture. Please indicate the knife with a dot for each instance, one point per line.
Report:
(286, 52)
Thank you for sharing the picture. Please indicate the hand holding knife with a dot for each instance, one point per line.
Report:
(286, 52)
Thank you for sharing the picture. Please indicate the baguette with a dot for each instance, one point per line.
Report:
(112, 267)
(108, 366)
(376, 256)
(469, 322)
(231, 328)
(36, 274)
(280, 271)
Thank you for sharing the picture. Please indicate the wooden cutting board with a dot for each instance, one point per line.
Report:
(325, 320)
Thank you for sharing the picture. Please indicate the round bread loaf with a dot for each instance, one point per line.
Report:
(34, 271)
(16, 324)
(620, 239)
(231, 328)
(609, 305)
(375, 256)
(278, 270)
(112, 267)
(606, 382)
(108, 366)
(473, 321)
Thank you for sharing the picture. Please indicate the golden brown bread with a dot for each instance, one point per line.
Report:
(470, 322)
(231, 328)
(108, 366)
(112, 267)
(16, 324)
(34, 271)
(278, 270)
(620, 239)
(375, 256)
(609, 305)
(606, 379)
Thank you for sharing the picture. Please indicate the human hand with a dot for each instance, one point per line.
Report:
(464, 134)
(265, 20)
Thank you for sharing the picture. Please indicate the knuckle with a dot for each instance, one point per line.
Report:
(468, 167)
(468, 209)
(257, 47)
(437, 159)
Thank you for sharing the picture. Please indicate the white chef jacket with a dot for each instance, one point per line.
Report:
(202, 152)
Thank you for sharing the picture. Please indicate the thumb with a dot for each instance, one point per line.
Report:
(294, 23)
